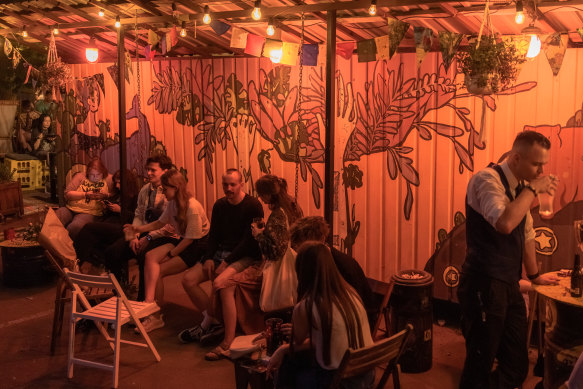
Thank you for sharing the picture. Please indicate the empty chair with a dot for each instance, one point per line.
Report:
(357, 362)
(117, 311)
(382, 293)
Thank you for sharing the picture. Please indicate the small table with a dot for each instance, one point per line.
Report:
(249, 370)
(24, 263)
(563, 331)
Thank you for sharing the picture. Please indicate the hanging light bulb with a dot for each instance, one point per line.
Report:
(535, 44)
(56, 30)
(24, 33)
(91, 51)
(270, 27)
(372, 10)
(101, 12)
(183, 30)
(206, 19)
(519, 18)
(117, 22)
(256, 14)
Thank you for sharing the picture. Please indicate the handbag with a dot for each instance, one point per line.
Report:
(280, 283)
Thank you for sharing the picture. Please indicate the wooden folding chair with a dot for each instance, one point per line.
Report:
(62, 297)
(357, 362)
(117, 311)
(382, 292)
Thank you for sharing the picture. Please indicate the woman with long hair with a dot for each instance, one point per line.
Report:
(328, 319)
(189, 220)
(43, 140)
(273, 239)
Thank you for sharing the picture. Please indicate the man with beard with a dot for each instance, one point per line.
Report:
(231, 249)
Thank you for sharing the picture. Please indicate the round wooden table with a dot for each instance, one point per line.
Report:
(563, 331)
(24, 263)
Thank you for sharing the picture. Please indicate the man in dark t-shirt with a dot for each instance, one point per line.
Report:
(315, 228)
(231, 249)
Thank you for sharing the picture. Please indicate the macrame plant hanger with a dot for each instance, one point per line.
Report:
(486, 22)
(52, 56)
(141, 146)
(299, 108)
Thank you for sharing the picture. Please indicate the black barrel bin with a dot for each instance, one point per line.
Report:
(412, 302)
(25, 266)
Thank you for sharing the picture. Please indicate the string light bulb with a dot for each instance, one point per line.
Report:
(24, 32)
(101, 12)
(117, 22)
(372, 10)
(206, 19)
(91, 51)
(183, 29)
(270, 27)
(256, 14)
(519, 18)
(535, 44)
(56, 30)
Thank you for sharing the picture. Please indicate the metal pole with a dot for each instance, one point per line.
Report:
(330, 122)
(121, 98)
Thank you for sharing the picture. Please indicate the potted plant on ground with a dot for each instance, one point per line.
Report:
(488, 65)
(10, 193)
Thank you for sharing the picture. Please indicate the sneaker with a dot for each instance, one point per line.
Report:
(190, 335)
(151, 323)
(212, 335)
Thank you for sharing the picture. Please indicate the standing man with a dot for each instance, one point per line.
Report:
(231, 248)
(500, 240)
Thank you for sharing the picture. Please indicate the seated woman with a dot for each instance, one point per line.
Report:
(94, 236)
(328, 319)
(43, 140)
(84, 194)
(189, 219)
(273, 241)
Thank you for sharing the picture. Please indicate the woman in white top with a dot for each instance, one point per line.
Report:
(328, 319)
(189, 219)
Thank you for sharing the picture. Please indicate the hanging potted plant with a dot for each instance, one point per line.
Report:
(489, 66)
(10, 192)
(55, 74)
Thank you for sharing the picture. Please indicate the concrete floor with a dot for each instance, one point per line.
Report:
(25, 361)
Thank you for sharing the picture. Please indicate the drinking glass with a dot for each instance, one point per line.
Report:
(545, 208)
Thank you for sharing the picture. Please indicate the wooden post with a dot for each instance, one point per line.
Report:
(121, 97)
(330, 122)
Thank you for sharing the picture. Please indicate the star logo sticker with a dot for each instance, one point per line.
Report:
(545, 241)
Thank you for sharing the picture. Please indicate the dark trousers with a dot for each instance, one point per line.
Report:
(494, 326)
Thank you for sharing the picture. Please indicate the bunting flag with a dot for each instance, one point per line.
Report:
(149, 52)
(153, 38)
(322, 54)
(580, 31)
(15, 58)
(114, 73)
(254, 45)
(273, 49)
(128, 62)
(290, 53)
(173, 38)
(382, 43)
(7, 47)
(448, 44)
(554, 47)
(397, 31)
(423, 43)
(28, 68)
(345, 49)
(220, 27)
(367, 50)
(310, 54)
(163, 45)
(238, 38)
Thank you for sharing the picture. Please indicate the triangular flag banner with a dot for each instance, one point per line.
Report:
(272, 49)
(149, 53)
(128, 62)
(15, 58)
(345, 49)
(382, 43)
(173, 38)
(238, 38)
(322, 55)
(449, 43)
(114, 73)
(168, 40)
(397, 31)
(28, 69)
(7, 47)
(367, 50)
(163, 44)
(310, 55)
(290, 53)
(153, 38)
(423, 42)
(555, 46)
(580, 31)
(33, 82)
(254, 45)
(220, 27)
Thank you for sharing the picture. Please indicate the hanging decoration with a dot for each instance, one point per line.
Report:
(580, 32)
(345, 49)
(55, 74)
(449, 43)
(309, 55)
(423, 42)
(366, 50)
(397, 31)
(273, 49)
(382, 44)
(238, 38)
(219, 27)
(7, 47)
(254, 45)
(15, 59)
(555, 46)
(290, 53)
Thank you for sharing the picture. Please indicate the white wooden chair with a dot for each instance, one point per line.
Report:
(117, 310)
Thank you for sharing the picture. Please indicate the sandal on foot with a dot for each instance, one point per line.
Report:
(221, 351)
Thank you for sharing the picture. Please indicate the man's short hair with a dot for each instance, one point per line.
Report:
(528, 138)
(234, 171)
(309, 228)
(161, 159)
